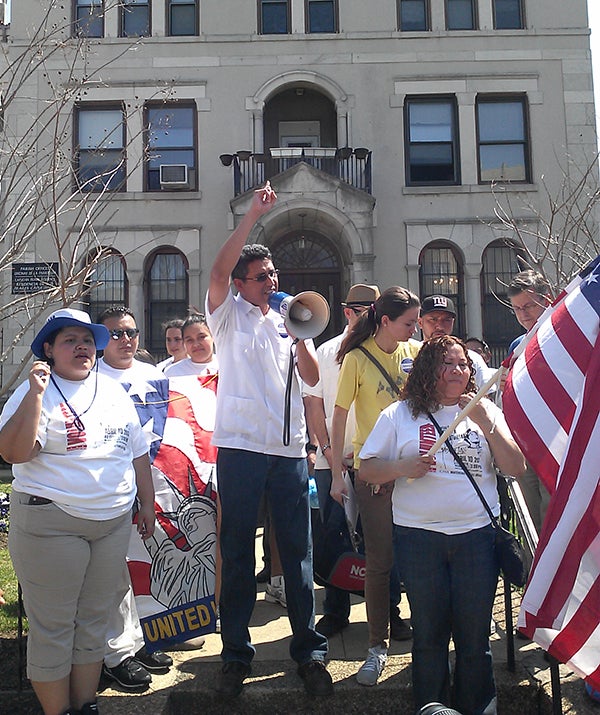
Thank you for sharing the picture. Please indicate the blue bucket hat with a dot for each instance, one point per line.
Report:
(61, 319)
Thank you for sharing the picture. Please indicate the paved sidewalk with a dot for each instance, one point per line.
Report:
(274, 686)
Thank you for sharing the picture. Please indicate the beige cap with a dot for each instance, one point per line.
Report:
(362, 294)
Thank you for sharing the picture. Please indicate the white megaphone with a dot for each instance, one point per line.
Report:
(305, 315)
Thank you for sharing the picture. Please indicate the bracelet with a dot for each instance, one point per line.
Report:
(324, 448)
(311, 448)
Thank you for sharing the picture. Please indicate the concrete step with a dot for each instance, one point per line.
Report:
(275, 688)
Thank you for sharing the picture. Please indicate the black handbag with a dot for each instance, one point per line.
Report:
(338, 560)
(514, 561)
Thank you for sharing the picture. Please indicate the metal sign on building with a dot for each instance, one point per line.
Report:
(30, 278)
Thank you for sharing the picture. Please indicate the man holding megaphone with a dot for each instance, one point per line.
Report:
(263, 358)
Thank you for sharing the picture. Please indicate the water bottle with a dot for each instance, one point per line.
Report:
(312, 493)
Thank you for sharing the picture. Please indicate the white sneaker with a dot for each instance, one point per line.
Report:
(275, 591)
(373, 666)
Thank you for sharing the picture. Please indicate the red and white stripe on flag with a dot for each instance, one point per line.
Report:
(552, 406)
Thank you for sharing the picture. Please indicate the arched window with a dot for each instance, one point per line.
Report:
(309, 261)
(109, 281)
(500, 265)
(441, 274)
(166, 295)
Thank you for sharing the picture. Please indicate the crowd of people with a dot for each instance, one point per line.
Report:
(365, 408)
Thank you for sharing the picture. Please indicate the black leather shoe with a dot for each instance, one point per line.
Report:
(264, 575)
(400, 630)
(129, 674)
(329, 625)
(230, 681)
(157, 662)
(317, 680)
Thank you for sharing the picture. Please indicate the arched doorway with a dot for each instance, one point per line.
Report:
(307, 260)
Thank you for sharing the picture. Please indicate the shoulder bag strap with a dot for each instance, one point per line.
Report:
(463, 466)
(381, 369)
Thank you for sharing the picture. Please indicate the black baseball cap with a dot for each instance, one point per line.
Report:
(438, 302)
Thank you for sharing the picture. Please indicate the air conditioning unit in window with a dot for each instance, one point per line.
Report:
(174, 176)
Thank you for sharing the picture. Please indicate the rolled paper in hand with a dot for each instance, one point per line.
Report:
(483, 390)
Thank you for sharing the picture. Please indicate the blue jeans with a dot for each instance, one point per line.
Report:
(243, 477)
(451, 584)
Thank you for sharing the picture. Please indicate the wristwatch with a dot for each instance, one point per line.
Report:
(311, 448)
(324, 448)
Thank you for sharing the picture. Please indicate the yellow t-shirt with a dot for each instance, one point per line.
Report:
(361, 382)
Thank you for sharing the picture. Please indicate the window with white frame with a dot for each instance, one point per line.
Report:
(508, 15)
(135, 18)
(274, 17)
(89, 18)
(100, 149)
(171, 144)
(431, 141)
(413, 15)
(182, 17)
(321, 16)
(167, 294)
(503, 144)
(460, 15)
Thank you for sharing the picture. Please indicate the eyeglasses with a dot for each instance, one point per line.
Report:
(526, 308)
(131, 333)
(357, 309)
(262, 277)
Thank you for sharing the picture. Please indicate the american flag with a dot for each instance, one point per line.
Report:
(552, 405)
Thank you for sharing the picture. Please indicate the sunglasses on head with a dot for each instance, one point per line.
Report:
(131, 333)
(262, 277)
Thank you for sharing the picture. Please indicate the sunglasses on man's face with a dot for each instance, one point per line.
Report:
(131, 333)
(357, 309)
(262, 277)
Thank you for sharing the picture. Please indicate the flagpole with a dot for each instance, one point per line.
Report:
(483, 390)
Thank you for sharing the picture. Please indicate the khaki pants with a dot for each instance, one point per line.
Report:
(376, 518)
(67, 568)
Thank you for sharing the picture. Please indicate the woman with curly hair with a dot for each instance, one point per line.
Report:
(382, 333)
(442, 535)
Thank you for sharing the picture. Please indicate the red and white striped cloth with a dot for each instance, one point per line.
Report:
(552, 405)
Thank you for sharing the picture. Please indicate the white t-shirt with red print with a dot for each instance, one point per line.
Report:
(444, 500)
(88, 473)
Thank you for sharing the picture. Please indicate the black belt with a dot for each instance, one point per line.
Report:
(38, 501)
